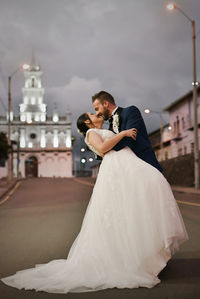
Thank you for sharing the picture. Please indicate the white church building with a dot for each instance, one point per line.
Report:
(43, 143)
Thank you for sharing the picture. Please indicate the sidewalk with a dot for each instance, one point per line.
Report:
(189, 190)
(5, 187)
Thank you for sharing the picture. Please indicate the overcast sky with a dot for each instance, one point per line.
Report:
(134, 49)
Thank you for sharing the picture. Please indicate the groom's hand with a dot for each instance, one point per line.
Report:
(131, 133)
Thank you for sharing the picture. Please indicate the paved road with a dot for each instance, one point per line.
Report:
(41, 219)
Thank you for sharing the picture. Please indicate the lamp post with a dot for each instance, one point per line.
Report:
(18, 151)
(195, 84)
(24, 67)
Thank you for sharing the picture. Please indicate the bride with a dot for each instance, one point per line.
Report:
(131, 228)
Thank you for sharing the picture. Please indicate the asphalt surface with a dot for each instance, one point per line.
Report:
(41, 219)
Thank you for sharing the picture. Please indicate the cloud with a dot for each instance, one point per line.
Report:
(76, 95)
(135, 50)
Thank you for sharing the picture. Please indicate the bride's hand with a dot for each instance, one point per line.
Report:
(102, 155)
(131, 133)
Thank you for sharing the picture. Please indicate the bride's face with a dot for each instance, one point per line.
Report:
(96, 120)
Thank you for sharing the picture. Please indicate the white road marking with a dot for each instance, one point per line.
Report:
(83, 182)
(189, 203)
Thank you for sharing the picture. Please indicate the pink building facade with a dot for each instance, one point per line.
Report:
(179, 140)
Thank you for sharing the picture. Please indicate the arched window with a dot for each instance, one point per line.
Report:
(33, 82)
(178, 125)
(183, 122)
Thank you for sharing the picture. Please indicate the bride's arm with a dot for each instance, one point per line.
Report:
(104, 146)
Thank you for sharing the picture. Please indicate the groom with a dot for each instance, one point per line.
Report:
(123, 119)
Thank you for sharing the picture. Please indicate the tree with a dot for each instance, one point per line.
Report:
(4, 148)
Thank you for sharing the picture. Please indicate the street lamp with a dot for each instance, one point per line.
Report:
(24, 67)
(147, 111)
(172, 6)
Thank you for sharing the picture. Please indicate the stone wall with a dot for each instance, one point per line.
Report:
(180, 170)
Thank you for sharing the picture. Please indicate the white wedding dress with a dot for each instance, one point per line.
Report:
(131, 228)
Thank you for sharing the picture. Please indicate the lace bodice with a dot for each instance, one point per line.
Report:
(105, 134)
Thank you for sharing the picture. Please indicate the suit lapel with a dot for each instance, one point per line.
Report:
(110, 125)
(118, 111)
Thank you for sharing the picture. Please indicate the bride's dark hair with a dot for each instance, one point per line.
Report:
(81, 125)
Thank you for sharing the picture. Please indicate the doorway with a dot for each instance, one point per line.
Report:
(31, 167)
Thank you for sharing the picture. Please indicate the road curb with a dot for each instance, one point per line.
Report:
(84, 182)
(81, 181)
(185, 190)
(12, 186)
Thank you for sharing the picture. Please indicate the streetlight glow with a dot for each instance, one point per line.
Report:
(171, 6)
(147, 111)
(25, 66)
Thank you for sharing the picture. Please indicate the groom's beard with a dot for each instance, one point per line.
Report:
(105, 114)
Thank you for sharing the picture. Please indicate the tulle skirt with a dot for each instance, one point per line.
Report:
(130, 230)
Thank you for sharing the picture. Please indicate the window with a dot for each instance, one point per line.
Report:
(185, 150)
(192, 147)
(26, 100)
(175, 127)
(32, 135)
(22, 117)
(2, 162)
(42, 117)
(178, 125)
(33, 82)
(37, 117)
(183, 122)
(166, 155)
(33, 100)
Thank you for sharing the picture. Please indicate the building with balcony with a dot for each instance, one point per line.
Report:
(179, 140)
(155, 139)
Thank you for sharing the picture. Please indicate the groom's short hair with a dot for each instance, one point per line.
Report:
(102, 96)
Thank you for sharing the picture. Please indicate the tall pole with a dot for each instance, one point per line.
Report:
(195, 116)
(10, 162)
(74, 164)
(196, 137)
(9, 131)
(161, 136)
(18, 150)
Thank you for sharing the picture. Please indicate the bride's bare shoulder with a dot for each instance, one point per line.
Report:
(93, 132)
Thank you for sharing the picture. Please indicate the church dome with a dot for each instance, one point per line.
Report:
(34, 68)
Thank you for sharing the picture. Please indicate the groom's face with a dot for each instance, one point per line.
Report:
(101, 109)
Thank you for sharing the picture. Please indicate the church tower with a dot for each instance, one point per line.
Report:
(44, 141)
(32, 108)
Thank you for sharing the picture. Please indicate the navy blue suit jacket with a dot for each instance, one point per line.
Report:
(129, 118)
